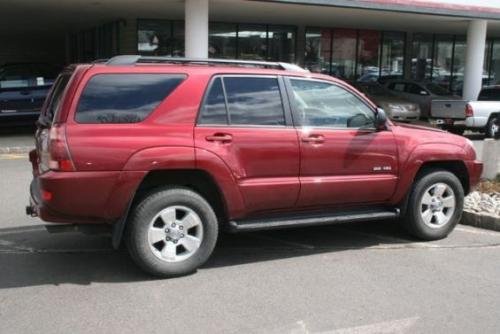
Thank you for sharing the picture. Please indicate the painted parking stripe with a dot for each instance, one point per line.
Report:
(9, 156)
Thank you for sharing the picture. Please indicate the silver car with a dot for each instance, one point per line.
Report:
(397, 108)
(420, 92)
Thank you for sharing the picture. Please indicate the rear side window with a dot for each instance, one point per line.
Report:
(492, 94)
(214, 109)
(243, 101)
(124, 98)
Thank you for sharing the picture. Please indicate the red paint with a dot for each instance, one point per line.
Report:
(256, 169)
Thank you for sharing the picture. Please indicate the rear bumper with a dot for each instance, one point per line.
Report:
(82, 197)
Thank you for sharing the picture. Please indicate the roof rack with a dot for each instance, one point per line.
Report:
(134, 59)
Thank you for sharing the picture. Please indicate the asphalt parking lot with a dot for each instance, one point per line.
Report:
(351, 278)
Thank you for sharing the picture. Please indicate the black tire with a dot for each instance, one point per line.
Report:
(413, 220)
(145, 211)
(493, 122)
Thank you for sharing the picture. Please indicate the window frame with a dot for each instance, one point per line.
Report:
(289, 88)
(150, 114)
(283, 96)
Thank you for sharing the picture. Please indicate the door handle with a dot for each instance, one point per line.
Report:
(314, 139)
(220, 137)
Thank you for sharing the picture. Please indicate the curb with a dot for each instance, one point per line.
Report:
(16, 150)
(486, 221)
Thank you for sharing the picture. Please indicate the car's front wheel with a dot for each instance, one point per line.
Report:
(435, 205)
(172, 232)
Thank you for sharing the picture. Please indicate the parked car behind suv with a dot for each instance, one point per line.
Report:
(397, 108)
(169, 152)
(422, 93)
(23, 88)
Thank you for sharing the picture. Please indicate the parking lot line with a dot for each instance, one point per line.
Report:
(9, 156)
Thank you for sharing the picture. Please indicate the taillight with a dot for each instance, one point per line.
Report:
(60, 159)
(469, 112)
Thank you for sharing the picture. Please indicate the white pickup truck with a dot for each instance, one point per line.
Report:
(482, 115)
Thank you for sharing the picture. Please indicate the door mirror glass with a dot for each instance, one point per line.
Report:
(380, 120)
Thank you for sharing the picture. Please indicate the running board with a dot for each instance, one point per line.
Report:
(248, 225)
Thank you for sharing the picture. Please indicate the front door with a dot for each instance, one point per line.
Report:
(344, 160)
(243, 122)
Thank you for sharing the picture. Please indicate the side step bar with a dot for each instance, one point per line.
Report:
(248, 225)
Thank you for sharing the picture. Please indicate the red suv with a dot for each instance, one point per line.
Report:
(168, 152)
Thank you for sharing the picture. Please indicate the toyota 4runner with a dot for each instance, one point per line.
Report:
(167, 152)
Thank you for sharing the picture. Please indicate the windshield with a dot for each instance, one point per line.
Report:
(436, 89)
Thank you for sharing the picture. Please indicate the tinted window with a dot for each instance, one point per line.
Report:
(415, 89)
(491, 94)
(397, 86)
(124, 98)
(324, 104)
(254, 101)
(214, 108)
(437, 90)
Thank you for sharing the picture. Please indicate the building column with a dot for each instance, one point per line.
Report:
(196, 36)
(301, 45)
(474, 59)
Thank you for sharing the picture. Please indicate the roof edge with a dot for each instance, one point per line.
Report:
(408, 6)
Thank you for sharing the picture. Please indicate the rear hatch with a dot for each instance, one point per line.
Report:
(48, 130)
(448, 109)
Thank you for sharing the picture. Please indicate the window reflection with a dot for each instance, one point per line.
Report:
(393, 52)
(344, 53)
(368, 55)
(252, 42)
(222, 40)
(318, 50)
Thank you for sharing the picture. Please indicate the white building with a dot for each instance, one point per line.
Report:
(454, 43)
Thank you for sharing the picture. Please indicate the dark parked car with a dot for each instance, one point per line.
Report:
(23, 88)
(168, 152)
(422, 93)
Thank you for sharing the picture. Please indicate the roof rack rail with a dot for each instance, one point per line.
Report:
(134, 59)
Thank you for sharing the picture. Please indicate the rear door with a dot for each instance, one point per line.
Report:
(244, 121)
(344, 160)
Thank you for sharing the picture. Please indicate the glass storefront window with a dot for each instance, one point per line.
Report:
(457, 80)
(487, 62)
(153, 37)
(368, 55)
(281, 42)
(177, 41)
(443, 53)
(421, 60)
(318, 50)
(344, 53)
(252, 42)
(393, 54)
(222, 40)
(495, 63)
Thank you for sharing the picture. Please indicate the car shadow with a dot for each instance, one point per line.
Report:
(32, 257)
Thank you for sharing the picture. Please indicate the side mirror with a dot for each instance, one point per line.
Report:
(380, 120)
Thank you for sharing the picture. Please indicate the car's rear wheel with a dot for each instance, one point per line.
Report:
(435, 205)
(172, 232)
(493, 127)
